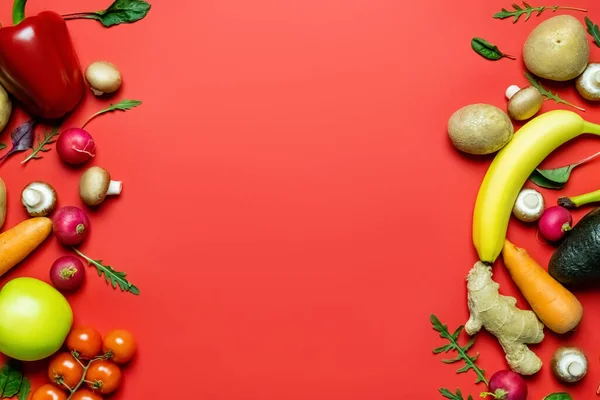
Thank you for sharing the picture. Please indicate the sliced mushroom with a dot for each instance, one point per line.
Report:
(569, 364)
(523, 103)
(588, 83)
(103, 77)
(39, 199)
(95, 184)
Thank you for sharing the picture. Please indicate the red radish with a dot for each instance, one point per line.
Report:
(75, 146)
(67, 273)
(555, 223)
(70, 225)
(507, 385)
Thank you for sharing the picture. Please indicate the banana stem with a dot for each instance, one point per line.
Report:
(592, 128)
(578, 201)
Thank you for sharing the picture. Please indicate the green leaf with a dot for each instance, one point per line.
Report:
(112, 277)
(13, 383)
(593, 30)
(449, 395)
(49, 138)
(541, 181)
(443, 349)
(487, 50)
(119, 12)
(123, 105)
(548, 94)
(2, 146)
(4, 373)
(558, 396)
(25, 389)
(528, 11)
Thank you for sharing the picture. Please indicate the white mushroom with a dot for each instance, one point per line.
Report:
(588, 83)
(95, 184)
(39, 199)
(529, 205)
(103, 77)
(523, 103)
(569, 364)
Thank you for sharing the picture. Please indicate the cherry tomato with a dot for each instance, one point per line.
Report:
(86, 341)
(121, 344)
(49, 392)
(85, 394)
(103, 376)
(65, 369)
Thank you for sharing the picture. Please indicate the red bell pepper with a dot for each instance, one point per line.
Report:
(38, 64)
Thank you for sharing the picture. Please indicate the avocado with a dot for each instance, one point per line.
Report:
(576, 261)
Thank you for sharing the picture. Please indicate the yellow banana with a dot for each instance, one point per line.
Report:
(511, 168)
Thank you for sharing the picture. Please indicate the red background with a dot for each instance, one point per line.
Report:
(292, 209)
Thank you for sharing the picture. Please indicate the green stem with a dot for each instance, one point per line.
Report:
(83, 380)
(592, 128)
(578, 201)
(18, 11)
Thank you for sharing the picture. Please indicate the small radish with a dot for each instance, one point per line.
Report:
(555, 223)
(507, 385)
(75, 146)
(70, 225)
(67, 273)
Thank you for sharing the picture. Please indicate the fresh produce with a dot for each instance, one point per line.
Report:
(498, 314)
(95, 184)
(580, 200)
(575, 261)
(64, 370)
(569, 364)
(21, 240)
(462, 351)
(103, 77)
(558, 396)
(49, 392)
(112, 277)
(548, 94)
(85, 394)
(86, 342)
(2, 203)
(75, 146)
(42, 145)
(40, 43)
(523, 103)
(123, 105)
(529, 205)
(488, 50)
(556, 178)
(35, 319)
(527, 11)
(39, 199)
(120, 346)
(480, 129)
(507, 385)
(588, 83)
(67, 273)
(593, 30)
(104, 376)
(12, 381)
(22, 138)
(555, 222)
(557, 49)
(5, 108)
(119, 12)
(556, 307)
(453, 396)
(71, 225)
(510, 170)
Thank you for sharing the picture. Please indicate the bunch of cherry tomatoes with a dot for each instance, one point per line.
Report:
(91, 368)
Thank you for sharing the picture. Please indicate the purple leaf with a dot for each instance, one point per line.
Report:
(22, 138)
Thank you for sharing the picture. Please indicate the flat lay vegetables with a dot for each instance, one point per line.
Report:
(67, 273)
(21, 240)
(75, 146)
(555, 222)
(70, 225)
(556, 307)
(507, 385)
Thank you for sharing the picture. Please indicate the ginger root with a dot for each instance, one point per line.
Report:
(514, 328)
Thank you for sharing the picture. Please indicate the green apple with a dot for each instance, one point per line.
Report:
(35, 319)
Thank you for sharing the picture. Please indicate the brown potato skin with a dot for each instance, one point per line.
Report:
(2, 202)
(5, 108)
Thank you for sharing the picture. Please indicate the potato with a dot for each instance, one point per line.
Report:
(2, 202)
(5, 108)
(557, 49)
(480, 129)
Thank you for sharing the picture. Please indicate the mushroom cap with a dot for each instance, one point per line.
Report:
(529, 205)
(93, 185)
(569, 364)
(39, 199)
(588, 83)
(525, 103)
(103, 76)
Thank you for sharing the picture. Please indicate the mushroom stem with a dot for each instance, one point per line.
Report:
(32, 197)
(97, 92)
(512, 89)
(576, 369)
(114, 188)
(596, 79)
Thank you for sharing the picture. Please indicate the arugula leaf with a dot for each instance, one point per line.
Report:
(528, 10)
(112, 277)
(119, 12)
(22, 138)
(123, 105)
(49, 138)
(461, 350)
(593, 30)
(449, 395)
(548, 94)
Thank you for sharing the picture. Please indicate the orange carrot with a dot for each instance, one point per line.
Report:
(554, 305)
(22, 239)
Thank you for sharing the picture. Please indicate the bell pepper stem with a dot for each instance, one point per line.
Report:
(18, 11)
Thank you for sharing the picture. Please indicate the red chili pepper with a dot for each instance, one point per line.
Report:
(39, 66)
